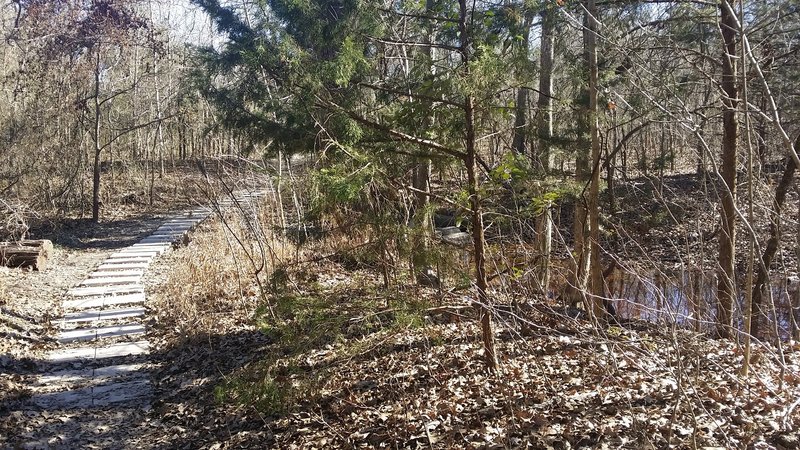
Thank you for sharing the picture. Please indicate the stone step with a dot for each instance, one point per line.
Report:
(143, 252)
(122, 259)
(161, 246)
(77, 398)
(167, 234)
(160, 240)
(91, 352)
(174, 235)
(98, 302)
(123, 392)
(175, 227)
(111, 281)
(97, 291)
(98, 315)
(180, 223)
(90, 334)
(132, 257)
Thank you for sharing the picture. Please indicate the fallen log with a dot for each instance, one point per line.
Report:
(31, 253)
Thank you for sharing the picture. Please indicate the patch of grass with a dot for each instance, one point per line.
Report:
(314, 330)
(258, 390)
(303, 322)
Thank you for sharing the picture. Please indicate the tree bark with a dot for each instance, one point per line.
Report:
(544, 103)
(544, 135)
(520, 119)
(787, 179)
(97, 146)
(544, 236)
(521, 106)
(482, 303)
(596, 270)
(422, 179)
(32, 253)
(586, 276)
(726, 288)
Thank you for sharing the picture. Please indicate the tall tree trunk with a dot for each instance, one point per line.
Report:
(612, 164)
(544, 236)
(520, 119)
(581, 288)
(159, 112)
(422, 177)
(794, 302)
(772, 243)
(726, 289)
(596, 271)
(478, 238)
(544, 135)
(751, 241)
(96, 137)
(544, 126)
(136, 138)
(521, 106)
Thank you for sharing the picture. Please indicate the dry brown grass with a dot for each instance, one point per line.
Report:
(222, 277)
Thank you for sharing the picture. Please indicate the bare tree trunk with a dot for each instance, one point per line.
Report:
(135, 148)
(422, 177)
(751, 242)
(521, 107)
(159, 129)
(612, 163)
(762, 276)
(726, 289)
(585, 277)
(544, 232)
(596, 270)
(544, 135)
(97, 146)
(544, 103)
(795, 301)
(478, 238)
(521, 118)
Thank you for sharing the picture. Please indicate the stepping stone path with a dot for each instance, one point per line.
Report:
(103, 359)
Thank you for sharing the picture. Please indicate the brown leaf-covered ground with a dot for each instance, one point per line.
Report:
(321, 355)
(349, 364)
(31, 301)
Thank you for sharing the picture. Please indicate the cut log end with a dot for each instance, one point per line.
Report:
(32, 253)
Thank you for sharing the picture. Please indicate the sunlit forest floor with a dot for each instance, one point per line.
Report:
(316, 352)
(330, 357)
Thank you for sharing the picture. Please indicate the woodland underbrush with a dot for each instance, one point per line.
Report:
(129, 190)
(223, 272)
(316, 350)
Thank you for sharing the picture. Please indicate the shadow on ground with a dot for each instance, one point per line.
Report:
(182, 376)
(81, 234)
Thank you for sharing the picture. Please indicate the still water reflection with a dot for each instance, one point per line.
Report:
(688, 298)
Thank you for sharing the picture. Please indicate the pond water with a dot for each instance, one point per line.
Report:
(688, 298)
